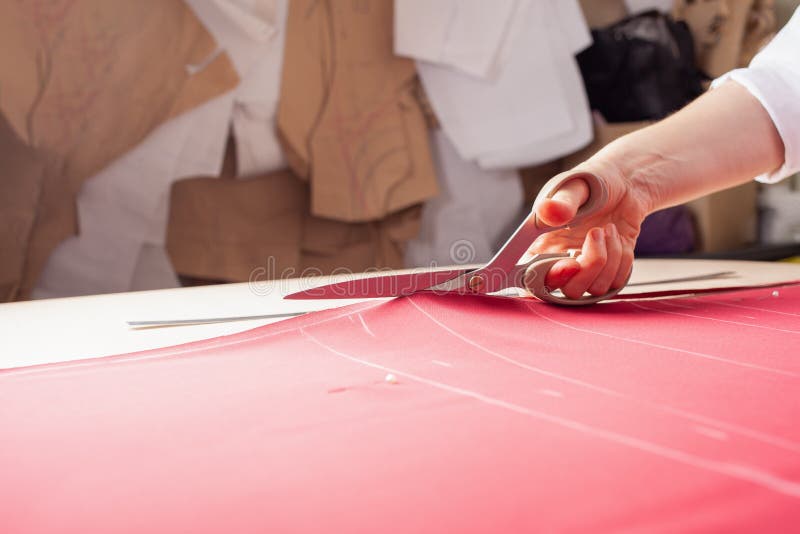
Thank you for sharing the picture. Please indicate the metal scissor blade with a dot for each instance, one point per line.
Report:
(387, 285)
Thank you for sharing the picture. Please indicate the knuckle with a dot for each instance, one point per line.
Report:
(627, 257)
(599, 288)
(573, 291)
(594, 262)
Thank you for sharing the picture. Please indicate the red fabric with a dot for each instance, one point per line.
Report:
(506, 415)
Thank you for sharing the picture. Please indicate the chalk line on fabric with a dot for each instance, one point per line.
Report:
(674, 349)
(756, 308)
(776, 441)
(551, 393)
(675, 305)
(739, 471)
(712, 433)
(738, 323)
(364, 325)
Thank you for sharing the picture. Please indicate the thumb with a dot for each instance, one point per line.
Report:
(562, 206)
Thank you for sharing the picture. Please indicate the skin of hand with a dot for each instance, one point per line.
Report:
(722, 139)
(606, 240)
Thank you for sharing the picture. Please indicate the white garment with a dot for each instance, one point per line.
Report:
(531, 107)
(475, 211)
(773, 77)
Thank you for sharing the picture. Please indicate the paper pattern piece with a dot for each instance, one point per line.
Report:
(85, 80)
(224, 229)
(743, 274)
(23, 172)
(533, 108)
(123, 209)
(495, 415)
(348, 116)
(232, 230)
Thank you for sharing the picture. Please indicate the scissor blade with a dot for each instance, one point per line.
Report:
(387, 285)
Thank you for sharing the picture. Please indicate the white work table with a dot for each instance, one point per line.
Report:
(46, 331)
(50, 330)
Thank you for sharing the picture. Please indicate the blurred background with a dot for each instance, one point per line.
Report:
(160, 143)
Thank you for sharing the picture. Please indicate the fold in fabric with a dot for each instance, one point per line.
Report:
(424, 414)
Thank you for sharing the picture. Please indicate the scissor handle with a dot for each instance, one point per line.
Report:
(534, 281)
(520, 241)
(598, 196)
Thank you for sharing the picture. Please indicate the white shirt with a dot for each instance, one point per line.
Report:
(773, 77)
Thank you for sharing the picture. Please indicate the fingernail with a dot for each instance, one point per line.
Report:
(596, 234)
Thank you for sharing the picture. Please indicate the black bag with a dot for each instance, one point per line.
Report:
(641, 68)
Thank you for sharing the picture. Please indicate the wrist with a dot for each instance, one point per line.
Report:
(643, 169)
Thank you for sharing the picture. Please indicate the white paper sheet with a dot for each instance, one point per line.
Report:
(535, 108)
(125, 205)
(237, 32)
(463, 34)
(254, 17)
(475, 211)
(93, 263)
(153, 269)
(638, 6)
(564, 43)
(255, 110)
(574, 29)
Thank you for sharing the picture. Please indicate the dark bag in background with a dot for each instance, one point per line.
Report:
(643, 68)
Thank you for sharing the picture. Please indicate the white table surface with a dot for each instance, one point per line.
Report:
(53, 330)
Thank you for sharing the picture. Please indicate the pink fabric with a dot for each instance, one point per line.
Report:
(506, 415)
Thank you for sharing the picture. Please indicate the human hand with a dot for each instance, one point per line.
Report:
(704, 147)
(606, 239)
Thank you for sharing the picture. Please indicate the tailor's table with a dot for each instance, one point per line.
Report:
(53, 330)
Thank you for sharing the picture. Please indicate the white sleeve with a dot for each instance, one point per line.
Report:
(773, 77)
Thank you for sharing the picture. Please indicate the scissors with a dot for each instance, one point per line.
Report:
(503, 272)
